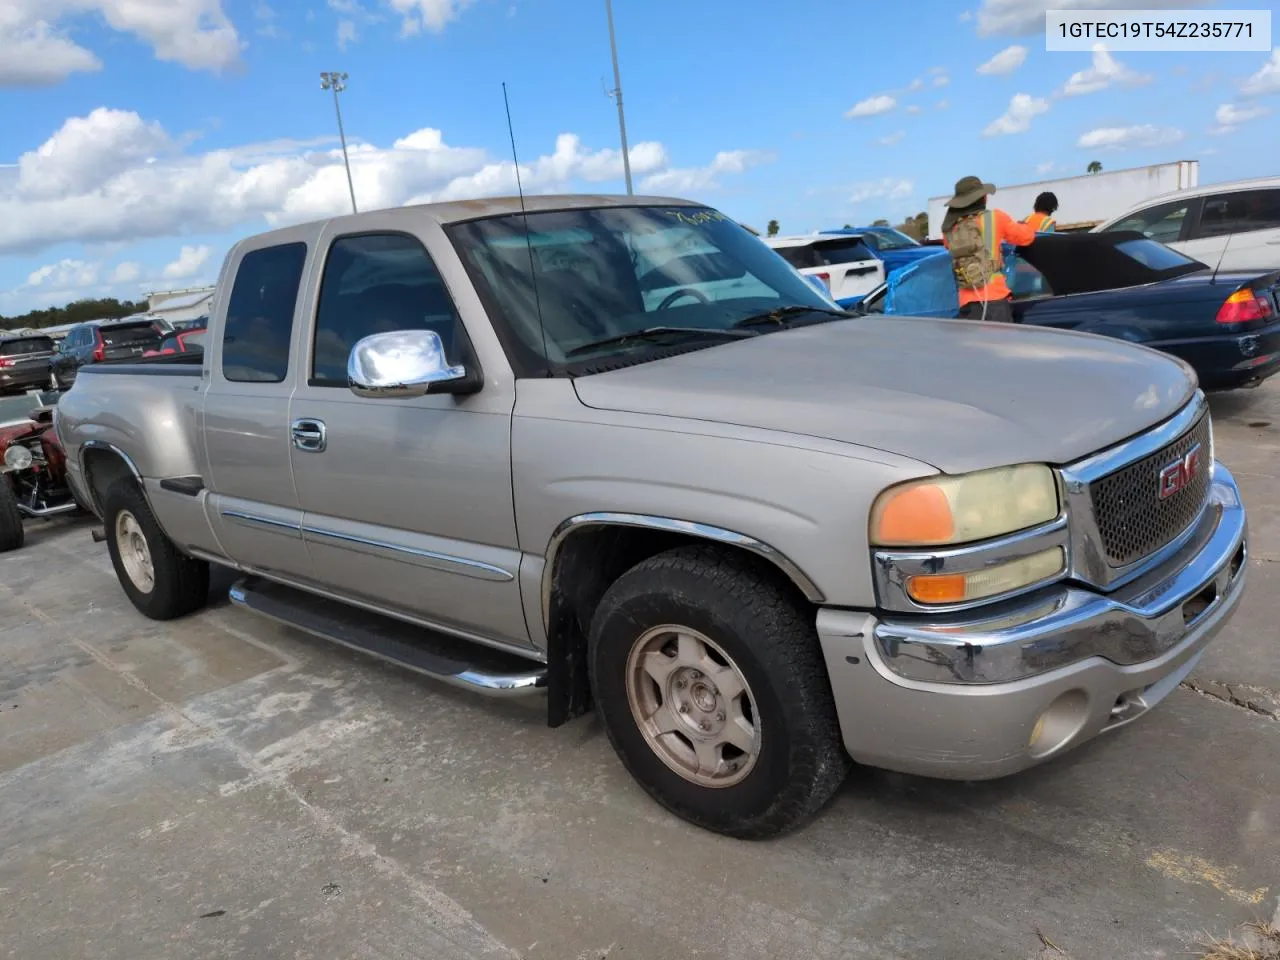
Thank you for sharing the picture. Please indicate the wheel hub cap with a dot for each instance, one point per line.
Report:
(693, 706)
(135, 555)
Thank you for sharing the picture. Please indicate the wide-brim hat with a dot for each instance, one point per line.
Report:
(969, 190)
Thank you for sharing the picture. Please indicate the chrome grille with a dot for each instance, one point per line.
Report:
(1133, 522)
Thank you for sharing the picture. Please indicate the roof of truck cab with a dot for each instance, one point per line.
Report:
(456, 211)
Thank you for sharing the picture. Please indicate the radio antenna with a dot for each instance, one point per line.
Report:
(528, 242)
(1222, 256)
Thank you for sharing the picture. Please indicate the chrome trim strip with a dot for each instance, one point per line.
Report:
(1088, 562)
(490, 685)
(47, 511)
(444, 562)
(891, 567)
(1065, 625)
(256, 522)
(687, 527)
(103, 445)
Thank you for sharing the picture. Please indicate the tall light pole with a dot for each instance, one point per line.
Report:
(337, 82)
(617, 95)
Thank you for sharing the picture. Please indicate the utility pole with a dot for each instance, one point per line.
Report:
(337, 82)
(617, 95)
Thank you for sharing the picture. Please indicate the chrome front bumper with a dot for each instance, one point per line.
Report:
(961, 697)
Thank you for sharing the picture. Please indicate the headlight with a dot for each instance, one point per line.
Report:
(17, 457)
(948, 510)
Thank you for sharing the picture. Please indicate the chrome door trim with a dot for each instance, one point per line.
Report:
(700, 531)
(258, 522)
(444, 562)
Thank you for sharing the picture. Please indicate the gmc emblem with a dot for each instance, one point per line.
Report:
(1179, 474)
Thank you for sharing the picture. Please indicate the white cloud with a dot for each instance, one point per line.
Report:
(886, 188)
(111, 176)
(347, 33)
(889, 139)
(1005, 62)
(943, 104)
(966, 16)
(1105, 71)
(33, 51)
(1266, 80)
(188, 264)
(434, 15)
(1229, 117)
(126, 272)
(916, 84)
(65, 274)
(1017, 119)
(1046, 167)
(693, 179)
(872, 106)
(1128, 138)
(914, 108)
(33, 55)
(941, 80)
(1021, 18)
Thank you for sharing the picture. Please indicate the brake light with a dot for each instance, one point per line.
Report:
(100, 350)
(825, 278)
(8, 362)
(1243, 306)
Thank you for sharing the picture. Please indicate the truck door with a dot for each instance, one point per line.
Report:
(254, 507)
(407, 503)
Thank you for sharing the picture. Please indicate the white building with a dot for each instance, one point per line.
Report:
(178, 306)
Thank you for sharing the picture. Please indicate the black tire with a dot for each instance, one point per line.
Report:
(180, 583)
(12, 533)
(771, 639)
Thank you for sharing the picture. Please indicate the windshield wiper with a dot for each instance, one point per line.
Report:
(778, 315)
(658, 333)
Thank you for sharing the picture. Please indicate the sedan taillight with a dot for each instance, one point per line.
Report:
(8, 362)
(1243, 306)
(100, 349)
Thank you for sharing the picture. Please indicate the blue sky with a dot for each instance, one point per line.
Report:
(142, 137)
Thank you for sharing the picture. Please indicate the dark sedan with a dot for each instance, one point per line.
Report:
(1226, 325)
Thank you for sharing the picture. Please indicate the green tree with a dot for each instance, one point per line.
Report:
(880, 223)
(772, 228)
(917, 227)
(77, 311)
(1094, 166)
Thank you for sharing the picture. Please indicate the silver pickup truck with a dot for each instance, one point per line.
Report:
(617, 453)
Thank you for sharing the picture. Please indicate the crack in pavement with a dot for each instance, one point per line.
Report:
(1237, 695)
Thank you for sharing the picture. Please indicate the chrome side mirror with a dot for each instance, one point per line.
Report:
(404, 363)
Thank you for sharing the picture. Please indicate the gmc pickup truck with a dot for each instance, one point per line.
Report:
(617, 453)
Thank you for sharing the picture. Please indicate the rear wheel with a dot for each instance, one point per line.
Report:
(12, 534)
(713, 691)
(160, 580)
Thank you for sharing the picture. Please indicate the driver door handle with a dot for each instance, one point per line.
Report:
(309, 435)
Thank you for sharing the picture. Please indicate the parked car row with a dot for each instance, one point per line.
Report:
(32, 361)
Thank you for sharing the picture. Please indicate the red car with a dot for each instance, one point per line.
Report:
(33, 466)
(188, 341)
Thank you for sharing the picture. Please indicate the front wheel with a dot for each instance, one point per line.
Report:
(12, 534)
(160, 580)
(713, 692)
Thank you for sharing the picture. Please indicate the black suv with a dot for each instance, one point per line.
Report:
(103, 340)
(24, 362)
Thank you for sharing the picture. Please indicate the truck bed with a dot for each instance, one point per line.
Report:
(170, 365)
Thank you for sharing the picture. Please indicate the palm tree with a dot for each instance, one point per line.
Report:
(772, 228)
(1095, 166)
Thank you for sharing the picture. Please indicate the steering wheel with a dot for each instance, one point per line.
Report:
(675, 295)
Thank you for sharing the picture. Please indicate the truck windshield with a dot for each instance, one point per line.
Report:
(580, 277)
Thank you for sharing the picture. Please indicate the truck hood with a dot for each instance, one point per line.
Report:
(956, 395)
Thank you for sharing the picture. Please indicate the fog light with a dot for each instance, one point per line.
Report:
(17, 457)
(961, 587)
(1060, 723)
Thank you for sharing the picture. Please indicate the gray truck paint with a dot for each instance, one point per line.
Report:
(442, 510)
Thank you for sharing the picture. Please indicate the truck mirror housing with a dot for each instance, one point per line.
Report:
(405, 363)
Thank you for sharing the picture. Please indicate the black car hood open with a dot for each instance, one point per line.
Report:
(1089, 262)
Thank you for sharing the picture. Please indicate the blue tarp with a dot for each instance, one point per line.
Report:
(927, 288)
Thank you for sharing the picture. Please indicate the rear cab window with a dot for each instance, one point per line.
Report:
(259, 326)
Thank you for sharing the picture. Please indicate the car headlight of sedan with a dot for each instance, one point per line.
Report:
(955, 540)
(17, 457)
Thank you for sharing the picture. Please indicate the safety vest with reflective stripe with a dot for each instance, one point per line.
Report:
(1042, 222)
